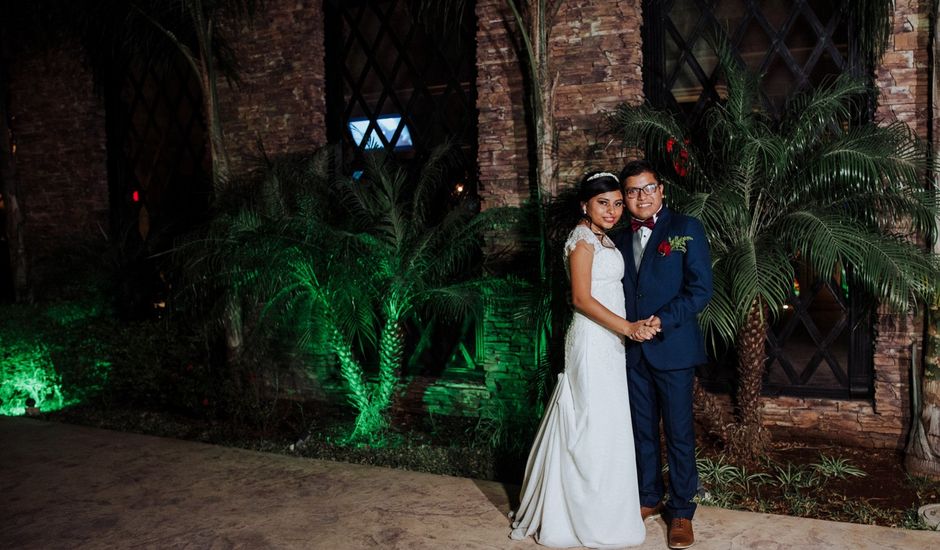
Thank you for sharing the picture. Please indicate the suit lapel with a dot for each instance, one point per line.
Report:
(626, 250)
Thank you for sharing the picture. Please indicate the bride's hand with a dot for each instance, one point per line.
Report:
(640, 331)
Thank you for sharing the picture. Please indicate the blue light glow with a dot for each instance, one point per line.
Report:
(387, 125)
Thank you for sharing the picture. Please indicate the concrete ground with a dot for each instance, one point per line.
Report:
(64, 486)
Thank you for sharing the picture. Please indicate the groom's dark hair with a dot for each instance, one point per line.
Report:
(635, 168)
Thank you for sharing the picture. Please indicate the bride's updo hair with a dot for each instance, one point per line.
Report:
(595, 183)
(564, 210)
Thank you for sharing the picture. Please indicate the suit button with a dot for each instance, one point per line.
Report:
(639, 295)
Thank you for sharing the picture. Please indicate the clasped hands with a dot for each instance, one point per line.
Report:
(644, 329)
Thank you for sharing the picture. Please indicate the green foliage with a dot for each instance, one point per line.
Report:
(349, 261)
(813, 187)
(829, 466)
(27, 372)
(862, 511)
(815, 191)
(912, 520)
(795, 479)
(780, 488)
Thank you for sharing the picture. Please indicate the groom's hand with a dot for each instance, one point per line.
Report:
(654, 322)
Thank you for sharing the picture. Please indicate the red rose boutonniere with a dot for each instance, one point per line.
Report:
(674, 243)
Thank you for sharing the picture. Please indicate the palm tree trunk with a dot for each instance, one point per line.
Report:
(750, 438)
(718, 423)
(543, 85)
(8, 189)
(210, 95)
(351, 371)
(232, 326)
(391, 349)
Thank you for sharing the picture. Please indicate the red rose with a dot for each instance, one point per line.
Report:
(664, 248)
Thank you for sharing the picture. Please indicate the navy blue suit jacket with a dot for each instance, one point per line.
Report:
(675, 287)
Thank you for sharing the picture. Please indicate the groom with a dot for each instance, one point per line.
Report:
(668, 276)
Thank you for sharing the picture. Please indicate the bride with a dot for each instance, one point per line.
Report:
(580, 485)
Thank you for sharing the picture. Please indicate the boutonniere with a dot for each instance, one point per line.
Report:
(676, 243)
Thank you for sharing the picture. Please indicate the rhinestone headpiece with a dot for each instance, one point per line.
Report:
(603, 175)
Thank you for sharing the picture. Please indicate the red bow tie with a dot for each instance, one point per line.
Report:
(636, 224)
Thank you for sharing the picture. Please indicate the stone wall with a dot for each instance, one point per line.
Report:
(596, 57)
(61, 158)
(597, 54)
(501, 124)
(596, 63)
(280, 101)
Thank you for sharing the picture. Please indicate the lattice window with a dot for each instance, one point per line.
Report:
(158, 171)
(795, 44)
(395, 83)
(821, 343)
(157, 142)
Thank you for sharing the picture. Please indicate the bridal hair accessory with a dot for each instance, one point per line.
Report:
(602, 175)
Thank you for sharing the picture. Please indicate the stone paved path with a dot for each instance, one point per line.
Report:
(64, 486)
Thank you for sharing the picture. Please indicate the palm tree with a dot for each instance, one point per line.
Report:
(9, 191)
(813, 188)
(354, 258)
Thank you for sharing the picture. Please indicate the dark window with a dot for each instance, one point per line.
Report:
(401, 84)
(795, 44)
(157, 169)
(820, 345)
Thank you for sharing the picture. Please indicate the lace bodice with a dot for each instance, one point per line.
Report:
(606, 269)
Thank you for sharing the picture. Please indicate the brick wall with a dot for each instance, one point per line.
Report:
(501, 124)
(59, 127)
(596, 50)
(596, 57)
(281, 98)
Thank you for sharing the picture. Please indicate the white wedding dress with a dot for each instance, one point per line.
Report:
(580, 485)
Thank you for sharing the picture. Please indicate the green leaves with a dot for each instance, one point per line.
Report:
(814, 187)
(352, 260)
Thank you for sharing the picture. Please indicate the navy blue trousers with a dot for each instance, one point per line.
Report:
(664, 395)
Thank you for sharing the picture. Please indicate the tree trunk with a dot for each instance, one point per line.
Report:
(750, 438)
(9, 189)
(210, 95)
(922, 456)
(351, 371)
(718, 423)
(543, 84)
(391, 349)
(923, 453)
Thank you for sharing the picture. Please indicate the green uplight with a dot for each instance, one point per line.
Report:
(67, 313)
(27, 372)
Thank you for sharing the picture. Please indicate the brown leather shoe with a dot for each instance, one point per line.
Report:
(680, 533)
(647, 512)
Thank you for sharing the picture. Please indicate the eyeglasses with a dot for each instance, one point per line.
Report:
(634, 192)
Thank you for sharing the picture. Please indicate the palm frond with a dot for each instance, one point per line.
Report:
(827, 108)
(897, 271)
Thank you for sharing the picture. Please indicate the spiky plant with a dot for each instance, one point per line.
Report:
(815, 188)
(356, 258)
